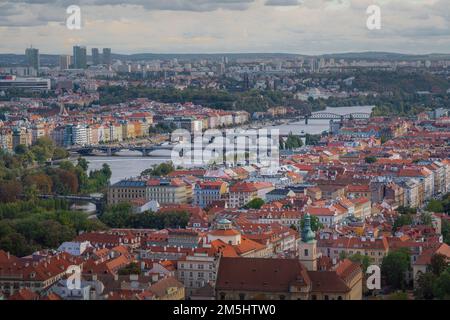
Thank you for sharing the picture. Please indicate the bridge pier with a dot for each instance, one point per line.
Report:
(145, 152)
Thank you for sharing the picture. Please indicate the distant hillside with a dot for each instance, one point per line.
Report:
(385, 56)
(209, 56)
(52, 59)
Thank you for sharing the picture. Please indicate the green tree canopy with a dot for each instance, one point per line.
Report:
(394, 268)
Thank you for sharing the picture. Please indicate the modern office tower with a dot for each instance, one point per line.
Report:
(95, 57)
(64, 62)
(107, 56)
(79, 57)
(32, 56)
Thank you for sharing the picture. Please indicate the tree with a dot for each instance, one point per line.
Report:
(163, 169)
(132, 268)
(256, 203)
(435, 206)
(292, 142)
(118, 216)
(363, 260)
(106, 171)
(442, 286)
(41, 181)
(316, 225)
(60, 153)
(370, 160)
(43, 149)
(445, 229)
(312, 139)
(402, 220)
(16, 244)
(30, 192)
(406, 210)
(394, 268)
(20, 149)
(425, 286)
(426, 219)
(438, 264)
(64, 182)
(83, 164)
(10, 191)
(67, 165)
(121, 216)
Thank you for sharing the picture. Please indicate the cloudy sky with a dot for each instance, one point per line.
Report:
(214, 26)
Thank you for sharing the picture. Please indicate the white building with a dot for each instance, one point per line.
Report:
(74, 248)
(80, 135)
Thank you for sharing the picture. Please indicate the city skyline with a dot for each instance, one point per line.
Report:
(289, 26)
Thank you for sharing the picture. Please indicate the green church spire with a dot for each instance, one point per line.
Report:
(308, 235)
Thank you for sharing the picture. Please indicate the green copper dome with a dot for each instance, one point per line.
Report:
(307, 234)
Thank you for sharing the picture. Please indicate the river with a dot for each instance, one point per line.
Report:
(130, 164)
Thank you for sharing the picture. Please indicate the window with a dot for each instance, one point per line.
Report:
(241, 296)
(282, 297)
(222, 296)
(326, 297)
(313, 297)
(306, 252)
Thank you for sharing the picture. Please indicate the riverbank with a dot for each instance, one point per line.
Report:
(130, 164)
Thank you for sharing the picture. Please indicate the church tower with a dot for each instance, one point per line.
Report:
(308, 246)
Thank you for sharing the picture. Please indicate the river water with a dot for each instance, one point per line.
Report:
(130, 164)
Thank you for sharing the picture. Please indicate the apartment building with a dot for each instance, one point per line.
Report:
(242, 193)
(205, 193)
(164, 191)
(198, 269)
(375, 248)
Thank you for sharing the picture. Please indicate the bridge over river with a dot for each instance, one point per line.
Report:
(111, 150)
(98, 200)
(334, 116)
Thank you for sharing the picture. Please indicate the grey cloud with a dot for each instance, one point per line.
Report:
(173, 5)
(283, 2)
